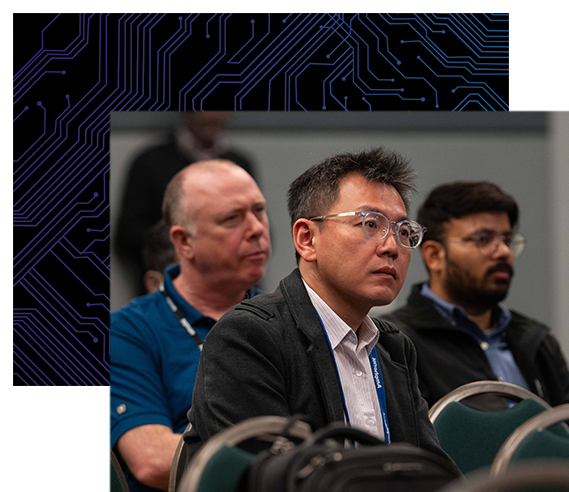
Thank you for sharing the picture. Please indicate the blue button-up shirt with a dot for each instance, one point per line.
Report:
(492, 342)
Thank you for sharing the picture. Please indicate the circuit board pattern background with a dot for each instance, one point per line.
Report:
(72, 70)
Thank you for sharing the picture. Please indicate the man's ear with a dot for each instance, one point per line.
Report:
(152, 280)
(182, 241)
(434, 255)
(303, 235)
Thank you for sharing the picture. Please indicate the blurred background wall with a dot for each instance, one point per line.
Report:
(527, 154)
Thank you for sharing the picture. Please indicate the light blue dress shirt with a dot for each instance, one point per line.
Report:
(492, 342)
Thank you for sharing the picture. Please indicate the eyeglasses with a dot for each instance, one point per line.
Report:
(376, 226)
(489, 242)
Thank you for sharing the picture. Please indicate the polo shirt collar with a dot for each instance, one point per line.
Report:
(189, 312)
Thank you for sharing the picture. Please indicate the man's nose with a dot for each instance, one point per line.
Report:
(388, 245)
(501, 249)
(257, 226)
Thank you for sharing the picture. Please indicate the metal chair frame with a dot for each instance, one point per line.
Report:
(539, 422)
(119, 470)
(497, 388)
(253, 427)
(178, 463)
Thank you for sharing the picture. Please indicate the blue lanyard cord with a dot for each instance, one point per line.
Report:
(380, 390)
(378, 383)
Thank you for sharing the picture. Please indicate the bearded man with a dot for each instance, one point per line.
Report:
(460, 329)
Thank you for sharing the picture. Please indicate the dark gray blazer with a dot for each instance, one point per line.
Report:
(269, 356)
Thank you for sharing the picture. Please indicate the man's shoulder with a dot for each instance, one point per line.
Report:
(264, 307)
(274, 315)
(142, 310)
(155, 151)
(418, 312)
(403, 318)
(523, 321)
(272, 306)
(389, 333)
(516, 315)
(152, 160)
(385, 326)
(525, 333)
(394, 341)
(262, 322)
(402, 314)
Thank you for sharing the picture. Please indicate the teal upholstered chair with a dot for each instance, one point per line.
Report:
(472, 437)
(220, 464)
(118, 480)
(541, 437)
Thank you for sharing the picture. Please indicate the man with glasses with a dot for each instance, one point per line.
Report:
(310, 347)
(460, 329)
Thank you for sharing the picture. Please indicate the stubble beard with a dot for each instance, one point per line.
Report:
(465, 290)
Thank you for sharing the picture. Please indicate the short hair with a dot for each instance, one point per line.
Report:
(315, 191)
(159, 252)
(461, 198)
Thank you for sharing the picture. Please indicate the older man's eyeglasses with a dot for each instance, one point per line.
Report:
(489, 242)
(376, 226)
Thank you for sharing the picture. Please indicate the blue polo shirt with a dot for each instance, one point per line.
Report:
(492, 342)
(154, 362)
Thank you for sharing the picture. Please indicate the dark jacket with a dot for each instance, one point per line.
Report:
(269, 356)
(448, 357)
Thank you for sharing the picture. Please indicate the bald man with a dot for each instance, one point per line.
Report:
(219, 227)
(200, 136)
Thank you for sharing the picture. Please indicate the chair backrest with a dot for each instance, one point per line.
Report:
(219, 465)
(532, 476)
(534, 440)
(224, 471)
(498, 388)
(178, 463)
(472, 437)
(118, 480)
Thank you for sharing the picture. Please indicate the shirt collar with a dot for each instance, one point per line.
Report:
(190, 313)
(452, 312)
(337, 329)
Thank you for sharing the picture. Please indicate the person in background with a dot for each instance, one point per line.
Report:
(200, 137)
(159, 253)
(219, 227)
(460, 328)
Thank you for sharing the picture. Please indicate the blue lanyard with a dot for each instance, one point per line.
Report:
(378, 383)
(378, 380)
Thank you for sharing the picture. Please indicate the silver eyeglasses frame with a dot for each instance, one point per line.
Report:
(391, 226)
(516, 243)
